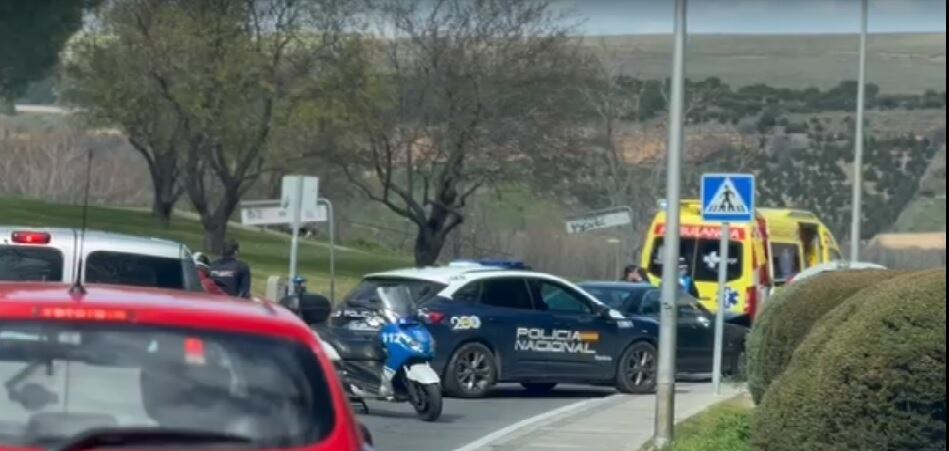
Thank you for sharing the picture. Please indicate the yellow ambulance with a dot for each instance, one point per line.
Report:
(761, 255)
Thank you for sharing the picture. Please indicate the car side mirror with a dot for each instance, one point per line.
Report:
(313, 309)
(703, 321)
(604, 312)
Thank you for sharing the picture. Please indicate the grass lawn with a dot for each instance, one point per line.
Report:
(266, 253)
(723, 427)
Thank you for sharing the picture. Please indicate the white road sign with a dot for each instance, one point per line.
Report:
(310, 191)
(598, 220)
(271, 213)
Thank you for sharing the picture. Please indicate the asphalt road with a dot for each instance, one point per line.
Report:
(395, 427)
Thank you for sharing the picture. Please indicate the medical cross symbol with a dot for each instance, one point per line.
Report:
(731, 298)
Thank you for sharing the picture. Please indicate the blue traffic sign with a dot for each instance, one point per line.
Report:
(728, 197)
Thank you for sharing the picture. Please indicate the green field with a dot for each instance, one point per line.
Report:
(898, 63)
(267, 253)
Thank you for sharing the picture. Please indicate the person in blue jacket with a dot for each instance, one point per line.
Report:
(686, 282)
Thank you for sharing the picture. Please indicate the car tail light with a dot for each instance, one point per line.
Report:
(82, 313)
(751, 303)
(434, 318)
(194, 351)
(30, 237)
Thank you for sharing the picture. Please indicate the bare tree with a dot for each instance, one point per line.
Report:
(459, 95)
(102, 75)
(228, 70)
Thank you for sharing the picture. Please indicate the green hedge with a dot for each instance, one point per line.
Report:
(870, 376)
(789, 316)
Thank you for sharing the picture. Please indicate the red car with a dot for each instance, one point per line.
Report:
(119, 367)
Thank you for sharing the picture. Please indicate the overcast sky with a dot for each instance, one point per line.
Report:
(758, 16)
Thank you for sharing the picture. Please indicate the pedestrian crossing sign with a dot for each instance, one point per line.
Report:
(728, 197)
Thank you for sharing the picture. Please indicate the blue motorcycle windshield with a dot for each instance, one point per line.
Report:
(407, 321)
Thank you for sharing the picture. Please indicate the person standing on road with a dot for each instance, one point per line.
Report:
(202, 263)
(230, 273)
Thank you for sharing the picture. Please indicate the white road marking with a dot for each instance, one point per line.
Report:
(516, 427)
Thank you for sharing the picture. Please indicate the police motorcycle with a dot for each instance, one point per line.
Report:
(382, 351)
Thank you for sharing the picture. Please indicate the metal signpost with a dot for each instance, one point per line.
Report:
(603, 219)
(328, 208)
(726, 198)
(299, 204)
(296, 192)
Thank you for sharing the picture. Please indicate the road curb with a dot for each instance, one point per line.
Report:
(529, 425)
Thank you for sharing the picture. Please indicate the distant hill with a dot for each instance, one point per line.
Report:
(899, 63)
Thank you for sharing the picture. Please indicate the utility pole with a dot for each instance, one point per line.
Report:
(858, 140)
(665, 387)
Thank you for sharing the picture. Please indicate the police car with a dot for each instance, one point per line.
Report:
(495, 325)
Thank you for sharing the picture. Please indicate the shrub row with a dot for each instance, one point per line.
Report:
(870, 374)
(790, 315)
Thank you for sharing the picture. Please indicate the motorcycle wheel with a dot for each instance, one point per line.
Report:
(426, 399)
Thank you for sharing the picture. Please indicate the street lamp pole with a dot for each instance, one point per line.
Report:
(858, 140)
(665, 387)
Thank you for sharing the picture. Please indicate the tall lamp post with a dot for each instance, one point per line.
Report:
(858, 140)
(665, 378)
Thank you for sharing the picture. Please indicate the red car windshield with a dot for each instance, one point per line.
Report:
(62, 379)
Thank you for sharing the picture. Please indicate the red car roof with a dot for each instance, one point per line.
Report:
(154, 306)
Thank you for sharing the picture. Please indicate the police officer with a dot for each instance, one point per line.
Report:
(686, 282)
(230, 273)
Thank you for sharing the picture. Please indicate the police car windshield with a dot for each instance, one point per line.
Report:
(62, 379)
(421, 290)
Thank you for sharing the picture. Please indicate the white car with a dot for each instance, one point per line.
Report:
(50, 255)
(836, 265)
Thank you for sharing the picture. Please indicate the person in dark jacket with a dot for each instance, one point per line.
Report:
(203, 264)
(230, 273)
(634, 273)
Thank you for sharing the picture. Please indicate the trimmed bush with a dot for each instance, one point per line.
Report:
(789, 316)
(870, 376)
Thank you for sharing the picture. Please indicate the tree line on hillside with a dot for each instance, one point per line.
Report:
(711, 100)
(417, 104)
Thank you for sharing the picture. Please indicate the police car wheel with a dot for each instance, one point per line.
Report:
(637, 369)
(538, 387)
(472, 371)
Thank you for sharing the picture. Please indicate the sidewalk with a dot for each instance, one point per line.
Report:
(619, 423)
